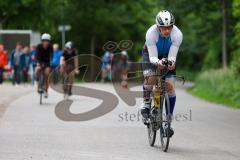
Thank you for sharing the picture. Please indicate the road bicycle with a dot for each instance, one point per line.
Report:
(159, 116)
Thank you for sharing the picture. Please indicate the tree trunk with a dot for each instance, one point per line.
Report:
(92, 58)
(224, 34)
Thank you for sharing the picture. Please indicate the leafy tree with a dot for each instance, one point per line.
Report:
(110, 20)
(236, 40)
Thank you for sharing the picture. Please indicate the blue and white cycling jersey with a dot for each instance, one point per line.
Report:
(159, 46)
(163, 45)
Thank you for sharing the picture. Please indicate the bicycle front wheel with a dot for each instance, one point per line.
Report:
(41, 83)
(151, 134)
(165, 122)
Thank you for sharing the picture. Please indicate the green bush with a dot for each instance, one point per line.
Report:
(220, 86)
(235, 65)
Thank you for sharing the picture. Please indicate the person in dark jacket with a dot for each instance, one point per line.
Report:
(33, 62)
(15, 62)
(25, 64)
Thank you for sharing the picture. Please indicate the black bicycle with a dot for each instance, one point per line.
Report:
(160, 117)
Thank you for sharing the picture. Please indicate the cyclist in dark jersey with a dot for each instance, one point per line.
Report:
(44, 53)
(120, 68)
(69, 64)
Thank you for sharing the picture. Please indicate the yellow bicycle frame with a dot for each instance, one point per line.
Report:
(156, 96)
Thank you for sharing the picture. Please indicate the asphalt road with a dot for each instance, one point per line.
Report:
(202, 131)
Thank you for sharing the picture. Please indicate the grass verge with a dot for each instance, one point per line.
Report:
(219, 86)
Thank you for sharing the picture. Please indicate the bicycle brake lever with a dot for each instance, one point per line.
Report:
(183, 78)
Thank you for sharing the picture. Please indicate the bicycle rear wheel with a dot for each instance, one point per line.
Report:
(165, 121)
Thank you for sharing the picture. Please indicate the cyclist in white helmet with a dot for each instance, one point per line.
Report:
(69, 67)
(44, 53)
(163, 40)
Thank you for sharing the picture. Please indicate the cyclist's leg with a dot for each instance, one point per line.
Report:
(37, 72)
(70, 72)
(148, 70)
(63, 75)
(170, 86)
(47, 71)
(37, 76)
(71, 79)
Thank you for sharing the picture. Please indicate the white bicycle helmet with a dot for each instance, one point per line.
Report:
(124, 53)
(69, 45)
(46, 36)
(164, 19)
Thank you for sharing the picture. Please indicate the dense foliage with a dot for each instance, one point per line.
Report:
(96, 22)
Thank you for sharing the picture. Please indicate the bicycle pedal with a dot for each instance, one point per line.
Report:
(168, 131)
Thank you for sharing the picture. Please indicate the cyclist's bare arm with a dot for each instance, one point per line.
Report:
(176, 37)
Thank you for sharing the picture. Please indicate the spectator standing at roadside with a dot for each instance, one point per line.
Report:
(106, 66)
(16, 64)
(3, 61)
(32, 55)
(25, 64)
(57, 53)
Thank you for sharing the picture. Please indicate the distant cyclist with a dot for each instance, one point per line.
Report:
(44, 53)
(106, 66)
(69, 66)
(120, 68)
(163, 40)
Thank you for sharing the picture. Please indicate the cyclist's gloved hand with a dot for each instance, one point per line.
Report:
(160, 64)
(38, 65)
(171, 64)
(76, 71)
